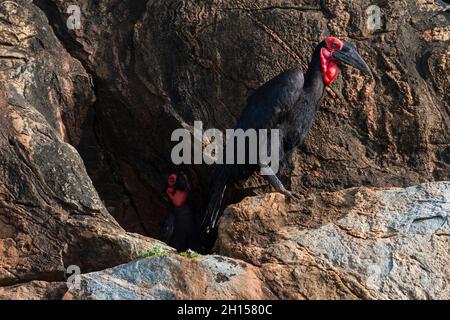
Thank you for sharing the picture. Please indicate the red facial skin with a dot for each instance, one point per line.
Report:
(177, 197)
(330, 69)
(172, 180)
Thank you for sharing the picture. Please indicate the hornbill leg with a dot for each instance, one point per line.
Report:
(276, 183)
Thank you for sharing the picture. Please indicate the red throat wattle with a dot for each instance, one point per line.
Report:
(178, 197)
(330, 69)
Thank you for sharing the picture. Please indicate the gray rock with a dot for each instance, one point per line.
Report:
(172, 277)
(372, 243)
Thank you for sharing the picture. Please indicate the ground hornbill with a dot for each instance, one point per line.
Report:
(289, 103)
(179, 227)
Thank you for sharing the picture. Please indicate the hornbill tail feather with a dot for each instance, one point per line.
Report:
(216, 202)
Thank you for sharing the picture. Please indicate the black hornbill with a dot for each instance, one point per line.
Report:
(289, 103)
(179, 228)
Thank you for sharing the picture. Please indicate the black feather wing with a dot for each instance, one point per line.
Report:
(272, 101)
(265, 109)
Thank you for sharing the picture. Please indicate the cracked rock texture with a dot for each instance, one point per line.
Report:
(50, 213)
(358, 243)
(85, 124)
(34, 290)
(158, 65)
(173, 277)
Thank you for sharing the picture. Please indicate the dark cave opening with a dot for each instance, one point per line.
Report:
(116, 191)
(132, 195)
(126, 156)
(126, 188)
(125, 178)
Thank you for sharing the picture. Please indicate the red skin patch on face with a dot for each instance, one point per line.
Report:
(172, 180)
(330, 68)
(334, 44)
(177, 197)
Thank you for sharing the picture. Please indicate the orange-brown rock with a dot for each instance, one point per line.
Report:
(116, 89)
(50, 213)
(34, 290)
(358, 243)
(160, 65)
(174, 277)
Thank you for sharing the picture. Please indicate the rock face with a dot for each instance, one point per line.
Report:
(173, 277)
(122, 165)
(159, 65)
(353, 244)
(50, 213)
(114, 91)
(358, 243)
(34, 290)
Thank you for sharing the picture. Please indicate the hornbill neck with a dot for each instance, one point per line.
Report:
(314, 84)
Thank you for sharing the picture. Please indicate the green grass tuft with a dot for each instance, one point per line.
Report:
(190, 254)
(155, 251)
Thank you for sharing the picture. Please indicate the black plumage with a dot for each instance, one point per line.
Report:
(288, 102)
(179, 227)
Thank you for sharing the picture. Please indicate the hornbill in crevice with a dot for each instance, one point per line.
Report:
(179, 227)
(289, 103)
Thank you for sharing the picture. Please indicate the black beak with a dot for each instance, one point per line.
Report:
(181, 181)
(349, 55)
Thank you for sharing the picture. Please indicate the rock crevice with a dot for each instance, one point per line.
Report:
(173, 62)
(86, 118)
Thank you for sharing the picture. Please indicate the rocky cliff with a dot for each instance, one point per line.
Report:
(86, 117)
(358, 243)
(160, 65)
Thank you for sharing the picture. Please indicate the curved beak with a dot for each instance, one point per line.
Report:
(349, 55)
